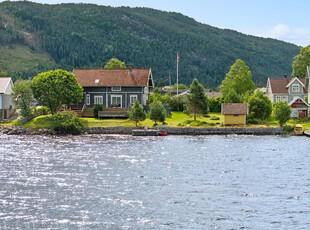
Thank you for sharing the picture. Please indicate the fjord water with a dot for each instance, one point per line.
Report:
(173, 182)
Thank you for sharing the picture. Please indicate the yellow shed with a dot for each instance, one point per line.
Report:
(234, 113)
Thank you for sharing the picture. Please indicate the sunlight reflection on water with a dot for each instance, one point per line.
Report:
(125, 182)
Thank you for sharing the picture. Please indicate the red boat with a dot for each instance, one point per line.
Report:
(162, 133)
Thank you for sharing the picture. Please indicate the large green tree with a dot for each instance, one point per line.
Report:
(260, 106)
(22, 95)
(114, 63)
(282, 112)
(56, 88)
(136, 113)
(197, 100)
(238, 79)
(300, 63)
(157, 112)
(233, 97)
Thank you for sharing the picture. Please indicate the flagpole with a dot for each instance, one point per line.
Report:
(177, 73)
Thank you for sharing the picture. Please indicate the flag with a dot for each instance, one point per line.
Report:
(178, 58)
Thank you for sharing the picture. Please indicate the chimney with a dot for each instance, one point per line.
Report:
(130, 69)
(99, 67)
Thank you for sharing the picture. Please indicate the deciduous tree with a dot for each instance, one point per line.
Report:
(56, 88)
(114, 63)
(197, 101)
(238, 79)
(22, 94)
(300, 63)
(260, 106)
(282, 112)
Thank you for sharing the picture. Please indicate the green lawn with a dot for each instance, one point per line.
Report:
(177, 119)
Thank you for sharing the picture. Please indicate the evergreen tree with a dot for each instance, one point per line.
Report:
(197, 101)
(136, 113)
(157, 112)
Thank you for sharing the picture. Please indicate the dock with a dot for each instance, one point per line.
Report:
(145, 132)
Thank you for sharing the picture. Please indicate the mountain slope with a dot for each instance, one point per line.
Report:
(86, 36)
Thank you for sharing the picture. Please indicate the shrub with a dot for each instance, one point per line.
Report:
(214, 118)
(288, 128)
(215, 104)
(177, 103)
(96, 109)
(42, 110)
(66, 123)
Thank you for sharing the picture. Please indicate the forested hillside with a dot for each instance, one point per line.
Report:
(36, 37)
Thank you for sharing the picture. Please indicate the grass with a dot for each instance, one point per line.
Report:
(178, 119)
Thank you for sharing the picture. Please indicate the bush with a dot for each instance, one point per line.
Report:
(40, 111)
(288, 128)
(177, 103)
(214, 118)
(96, 109)
(215, 104)
(66, 123)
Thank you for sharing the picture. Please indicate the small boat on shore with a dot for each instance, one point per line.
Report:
(298, 129)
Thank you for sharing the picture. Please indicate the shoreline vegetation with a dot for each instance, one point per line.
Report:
(178, 124)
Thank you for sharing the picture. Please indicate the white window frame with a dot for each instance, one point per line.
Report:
(278, 98)
(98, 100)
(117, 96)
(87, 99)
(133, 98)
(295, 88)
(116, 88)
(285, 98)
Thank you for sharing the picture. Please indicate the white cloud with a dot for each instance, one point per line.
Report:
(280, 30)
(298, 36)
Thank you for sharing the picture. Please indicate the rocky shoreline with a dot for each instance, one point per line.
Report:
(20, 130)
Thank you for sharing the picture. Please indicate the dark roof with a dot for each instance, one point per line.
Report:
(112, 77)
(234, 108)
(279, 85)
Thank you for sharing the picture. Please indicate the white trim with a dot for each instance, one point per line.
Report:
(308, 68)
(295, 99)
(117, 96)
(133, 96)
(297, 89)
(294, 79)
(118, 90)
(98, 99)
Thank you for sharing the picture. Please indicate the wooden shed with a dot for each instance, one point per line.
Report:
(234, 113)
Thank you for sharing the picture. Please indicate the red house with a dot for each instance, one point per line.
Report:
(299, 108)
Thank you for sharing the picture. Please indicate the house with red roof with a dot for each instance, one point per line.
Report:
(291, 90)
(115, 87)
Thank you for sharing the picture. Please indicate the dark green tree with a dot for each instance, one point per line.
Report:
(56, 88)
(96, 109)
(197, 101)
(238, 79)
(301, 61)
(215, 104)
(136, 113)
(114, 63)
(233, 97)
(22, 95)
(260, 106)
(282, 112)
(157, 112)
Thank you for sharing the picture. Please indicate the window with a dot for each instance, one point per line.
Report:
(116, 100)
(236, 115)
(285, 98)
(295, 88)
(98, 100)
(116, 88)
(278, 98)
(133, 98)
(87, 99)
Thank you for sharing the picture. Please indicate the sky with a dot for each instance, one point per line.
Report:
(286, 20)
